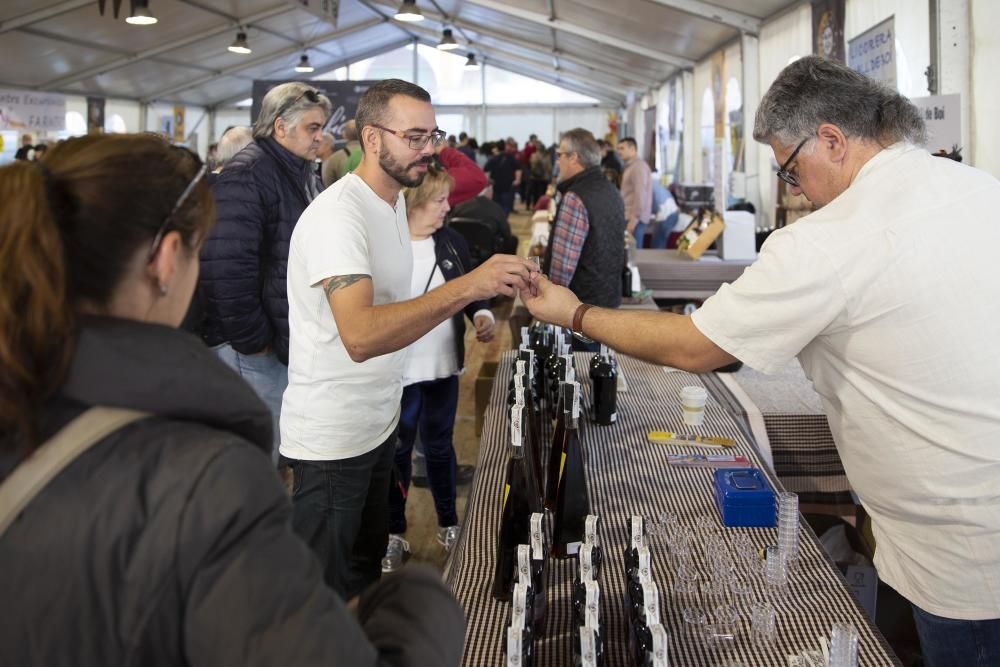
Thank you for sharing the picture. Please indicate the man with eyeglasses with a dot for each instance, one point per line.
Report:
(351, 317)
(259, 197)
(587, 244)
(894, 321)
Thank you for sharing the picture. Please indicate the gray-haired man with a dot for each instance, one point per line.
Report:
(892, 320)
(259, 197)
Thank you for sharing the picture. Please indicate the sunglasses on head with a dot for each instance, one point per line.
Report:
(185, 194)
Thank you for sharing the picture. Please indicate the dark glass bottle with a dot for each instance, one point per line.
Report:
(572, 499)
(554, 466)
(626, 279)
(519, 502)
(538, 584)
(605, 390)
(637, 539)
(588, 647)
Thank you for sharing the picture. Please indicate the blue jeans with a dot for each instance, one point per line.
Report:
(340, 511)
(267, 376)
(662, 229)
(430, 407)
(505, 199)
(639, 233)
(947, 642)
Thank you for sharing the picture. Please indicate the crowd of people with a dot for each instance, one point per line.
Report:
(326, 278)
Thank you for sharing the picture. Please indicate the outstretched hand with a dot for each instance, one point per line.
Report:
(549, 302)
(500, 274)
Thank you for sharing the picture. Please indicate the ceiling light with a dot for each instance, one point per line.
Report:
(140, 14)
(408, 11)
(304, 65)
(240, 45)
(470, 63)
(447, 42)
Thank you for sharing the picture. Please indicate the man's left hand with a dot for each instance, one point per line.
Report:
(484, 328)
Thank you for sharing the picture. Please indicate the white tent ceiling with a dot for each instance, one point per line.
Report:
(601, 48)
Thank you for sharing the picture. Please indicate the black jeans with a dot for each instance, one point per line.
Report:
(430, 407)
(342, 513)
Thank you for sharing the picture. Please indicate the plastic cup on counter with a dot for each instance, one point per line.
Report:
(693, 401)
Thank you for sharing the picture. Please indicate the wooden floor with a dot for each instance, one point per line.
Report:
(421, 520)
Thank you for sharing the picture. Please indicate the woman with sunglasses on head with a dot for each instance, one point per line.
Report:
(167, 541)
(433, 364)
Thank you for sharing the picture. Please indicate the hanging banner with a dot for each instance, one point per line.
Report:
(943, 118)
(28, 111)
(873, 53)
(343, 95)
(95, 115)
(179, 111)
(828, 29)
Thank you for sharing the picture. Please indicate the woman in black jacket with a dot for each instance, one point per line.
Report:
(168, 542)
(433, 364)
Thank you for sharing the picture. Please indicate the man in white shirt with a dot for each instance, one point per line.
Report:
(351, 318)
(894, 321)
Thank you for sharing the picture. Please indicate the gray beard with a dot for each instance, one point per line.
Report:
(399, 173)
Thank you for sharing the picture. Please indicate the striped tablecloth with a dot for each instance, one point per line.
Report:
(795, 429)
(627, 475)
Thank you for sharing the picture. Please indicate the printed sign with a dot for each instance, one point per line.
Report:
(29, 111)
(344, 97)
(943, 117)
(828, 29)
(873, 52)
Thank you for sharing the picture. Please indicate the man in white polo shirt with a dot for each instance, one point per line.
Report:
(351, 318)
(894, 319)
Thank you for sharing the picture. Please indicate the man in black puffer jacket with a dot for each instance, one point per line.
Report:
(259, 198)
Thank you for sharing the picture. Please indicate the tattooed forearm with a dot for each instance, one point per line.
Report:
(331, 285)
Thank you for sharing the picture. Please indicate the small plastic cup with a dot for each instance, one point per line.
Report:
(763, 624)
(693, 401)
(843, 645)
(775, 570)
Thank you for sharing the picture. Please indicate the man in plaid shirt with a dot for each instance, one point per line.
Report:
(587, 244)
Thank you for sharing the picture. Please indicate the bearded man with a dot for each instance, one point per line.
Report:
(351, 318)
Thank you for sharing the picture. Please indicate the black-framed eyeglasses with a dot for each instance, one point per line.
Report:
(200, 174)
(416, 142)
(784, 174)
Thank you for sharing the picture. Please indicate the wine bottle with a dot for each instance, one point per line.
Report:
(605, 389)
(572, 500)
(641, 620)
(519, 502)
(538, 584)
(519, 634)
(554, 464)
(588, 650)
(532, 432)
(518, 648)
(637, 539)
(658, 656)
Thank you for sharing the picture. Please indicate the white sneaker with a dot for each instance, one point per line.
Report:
(448, 536)
(396, 553)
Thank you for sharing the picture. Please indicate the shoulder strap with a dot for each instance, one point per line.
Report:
(32, 475)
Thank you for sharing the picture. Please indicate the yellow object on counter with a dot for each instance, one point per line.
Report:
(668, 438)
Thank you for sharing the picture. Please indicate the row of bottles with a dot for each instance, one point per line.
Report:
(648, 640)
(528, 603)
(588, 645)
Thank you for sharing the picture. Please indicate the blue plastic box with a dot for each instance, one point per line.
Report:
(744, 498)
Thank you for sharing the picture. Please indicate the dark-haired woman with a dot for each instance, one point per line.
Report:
(168, 542)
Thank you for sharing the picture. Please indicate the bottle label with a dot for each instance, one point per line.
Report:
(570, 374)
(519, 606)
(614, 416)
(590, 530)
(518, 394)
(586, 563)
(576, 400)
(651, 602)
(660, 646)
(637, 532)
(573, 548)
(519, 364)
(604, 350)
(516, 438)
(592, 611)
(530, 361)
(524, 335)
(514, 656)
(524, 564)
(537, 541)
(588, 649)
(645, 570)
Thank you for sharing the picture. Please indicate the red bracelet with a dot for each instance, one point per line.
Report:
(578, 317)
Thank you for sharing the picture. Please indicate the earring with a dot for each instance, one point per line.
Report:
(163, 290)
